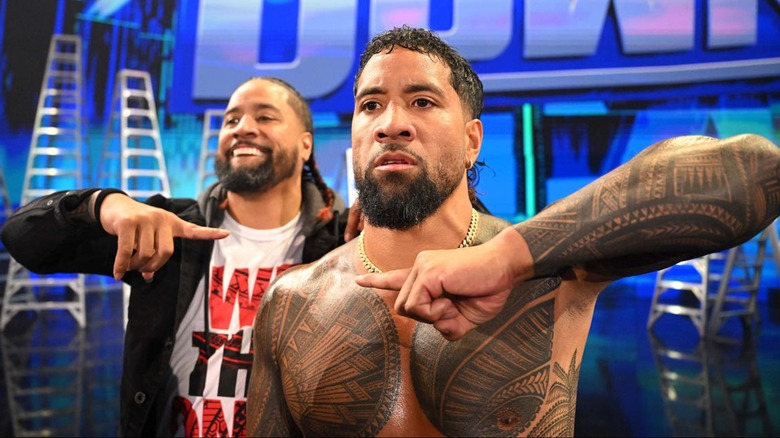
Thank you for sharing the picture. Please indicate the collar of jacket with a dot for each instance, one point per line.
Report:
(209, 201)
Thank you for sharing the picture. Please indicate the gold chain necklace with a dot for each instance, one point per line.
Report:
(471, 234)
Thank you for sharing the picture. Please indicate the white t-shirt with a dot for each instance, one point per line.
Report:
(212, 391)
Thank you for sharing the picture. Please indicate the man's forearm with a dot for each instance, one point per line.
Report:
(678, 199)
(46, 234)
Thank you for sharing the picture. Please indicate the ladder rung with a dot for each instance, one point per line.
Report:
(145, 172)
(137, 94)
(63, 74)
(11, 307)
(58, 111)
(65, 56)
(45, 413)
(139, 112)
(677, 309)
(54, 152)
(61, 92)
(141, 132)
(743, 288)
(684, 285)
(49, 371)
(53, 171)
(43, 281)
(43, 390)
(135, 152)
(51, 130)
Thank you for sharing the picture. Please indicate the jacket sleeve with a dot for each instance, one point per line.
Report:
(44, 238)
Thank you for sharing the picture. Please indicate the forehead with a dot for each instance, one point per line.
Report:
(403, 66)
(260, 91)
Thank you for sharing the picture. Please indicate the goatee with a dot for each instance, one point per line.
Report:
(254, 179)
(400, 203)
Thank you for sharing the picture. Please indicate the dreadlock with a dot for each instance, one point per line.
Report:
(462, 77)
(310, 171)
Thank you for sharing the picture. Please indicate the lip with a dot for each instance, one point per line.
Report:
(247, 150)
(394, 161)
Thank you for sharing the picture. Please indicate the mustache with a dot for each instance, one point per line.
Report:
(393, 147)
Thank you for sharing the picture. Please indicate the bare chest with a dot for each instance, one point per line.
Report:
(352, 367)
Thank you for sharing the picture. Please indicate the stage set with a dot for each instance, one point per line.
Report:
(130, 94)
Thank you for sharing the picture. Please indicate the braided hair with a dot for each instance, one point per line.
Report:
(310, 171)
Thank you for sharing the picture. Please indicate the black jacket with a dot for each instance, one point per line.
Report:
(44, 240)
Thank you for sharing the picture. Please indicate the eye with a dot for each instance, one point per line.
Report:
(422, 102)
(370, 105)
(264, 118)
(229, 121)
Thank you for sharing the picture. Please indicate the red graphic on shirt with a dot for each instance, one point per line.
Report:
(233, 360)
(183, 413)
(221, 309)
(215, 424)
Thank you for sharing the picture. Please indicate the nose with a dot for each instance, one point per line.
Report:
(394, 124)
(246, 127)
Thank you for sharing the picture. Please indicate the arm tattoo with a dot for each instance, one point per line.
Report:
(559, 418)
(679, 199)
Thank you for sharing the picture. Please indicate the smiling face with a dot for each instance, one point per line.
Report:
(411, 138)
(262, 141)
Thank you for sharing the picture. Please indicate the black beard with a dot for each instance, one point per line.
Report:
(405, 203)
(257, 179)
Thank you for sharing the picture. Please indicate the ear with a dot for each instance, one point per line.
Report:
(305, 146)
(474, 135)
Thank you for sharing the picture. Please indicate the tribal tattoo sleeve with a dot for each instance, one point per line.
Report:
(678, 199)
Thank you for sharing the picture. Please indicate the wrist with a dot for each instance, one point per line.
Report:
(511, 243)
(75, 206)
(96, 201)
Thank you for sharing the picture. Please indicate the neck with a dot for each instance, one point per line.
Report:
(270, 209)
(397, 249)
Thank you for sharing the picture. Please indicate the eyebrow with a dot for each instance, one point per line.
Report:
(367, 91)
(412, 88)
(257, 106)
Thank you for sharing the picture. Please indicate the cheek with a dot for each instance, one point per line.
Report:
(362, 129)
(224, 142)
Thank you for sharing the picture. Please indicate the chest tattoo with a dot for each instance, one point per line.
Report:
(495, 380)
(340, 364)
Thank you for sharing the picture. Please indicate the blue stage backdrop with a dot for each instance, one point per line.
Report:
(573, 88)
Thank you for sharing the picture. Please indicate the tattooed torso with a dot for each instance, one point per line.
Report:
(334, 359)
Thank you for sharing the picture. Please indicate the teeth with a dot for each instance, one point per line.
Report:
(246, 151)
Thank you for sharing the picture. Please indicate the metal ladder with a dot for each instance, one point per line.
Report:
(684, 381)
(736, 273)
(54, 163)
(4, 213)
(212, 122)
(44, 399)
(739, 283)
(133, 158)
(711, 389)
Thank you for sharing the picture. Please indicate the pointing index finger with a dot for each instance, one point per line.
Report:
(391, 280)
(196, 232)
